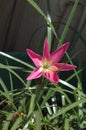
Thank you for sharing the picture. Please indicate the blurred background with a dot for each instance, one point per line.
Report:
(21, 26)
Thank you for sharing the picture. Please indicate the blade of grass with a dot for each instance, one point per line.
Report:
(45, 17)
(77, 32)
(70, 107)
(62, 92)
(68, 23)
(16, 123)
(7, 122)
(5, 89)
(78, 36)
(78, 79)
(49, 32)
(67, 126)
(38, 120)
(6, 93)
(67, 84)
(13, 72)
(11, 84)
(73, 75)
(16, 59)
(47, 97)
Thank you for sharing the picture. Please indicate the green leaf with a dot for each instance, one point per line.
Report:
(7, 122)
(16, 59)
(38, 120)
(66, 126)
(16, 123)
(45, 17)
(68, 23)
(6, 93)
(13, 72)
(70, 107)
(49, 29)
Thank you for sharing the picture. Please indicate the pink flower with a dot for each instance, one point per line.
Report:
(48, 65)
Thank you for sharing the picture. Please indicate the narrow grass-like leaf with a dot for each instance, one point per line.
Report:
(78, 79)
(68, 23)
(6, 93)
(62, 92)
(73, 75)
(78, 36)
(77, 33)
(16, 59)
(66, 126)
(32, 104)
(70, 107)
(38, 120)
(16, 123)
(46, 97)
(7, 122)
(42, 14)
(67, 84)
(13, 72)
(49, 32)
(11, 85)
(5, 89)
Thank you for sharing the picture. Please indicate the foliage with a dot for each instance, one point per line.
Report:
(39, 104)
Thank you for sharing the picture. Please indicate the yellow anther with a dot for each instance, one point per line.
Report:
(55, 68)
(47, 66)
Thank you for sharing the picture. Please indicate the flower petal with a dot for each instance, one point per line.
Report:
(36, 73)
(57, 55)
(46, 50)
(65, 67)
(34, 57)
(52, 76)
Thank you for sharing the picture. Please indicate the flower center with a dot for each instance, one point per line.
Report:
(48, 65)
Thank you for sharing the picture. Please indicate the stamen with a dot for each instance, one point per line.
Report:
(55, 68)
(48, 66)
(44, 61)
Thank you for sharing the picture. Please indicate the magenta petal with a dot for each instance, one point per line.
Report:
(65, 67)
(53, 77)
(36, 73)
(35, 57)
(46, 50)
(57, 55)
